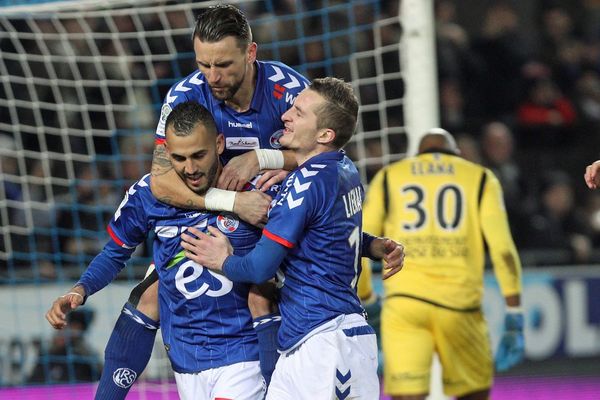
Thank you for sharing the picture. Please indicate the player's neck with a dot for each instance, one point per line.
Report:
(302, 157)
(243, 98)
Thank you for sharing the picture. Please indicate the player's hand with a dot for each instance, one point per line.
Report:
(592, 177)
(238, 171)
(269, 178)
(252, 207)
(209, 250)
(57, 315)
(391, 252)
(511, 349)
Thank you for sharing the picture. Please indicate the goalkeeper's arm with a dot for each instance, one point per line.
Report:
(511, 349)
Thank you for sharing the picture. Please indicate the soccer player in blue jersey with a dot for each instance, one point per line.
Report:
(246, 98)
(314, 234)
(206, 324)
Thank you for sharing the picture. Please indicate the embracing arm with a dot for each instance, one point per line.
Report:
(259, 265)
(244, 167)
(168, 187)
(214, 251)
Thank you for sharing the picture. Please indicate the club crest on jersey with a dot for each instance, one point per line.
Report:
(227, 223)
(274, 139)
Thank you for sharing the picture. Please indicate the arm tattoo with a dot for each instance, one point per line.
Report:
(189, 204)
(167, 200)
(160, 161)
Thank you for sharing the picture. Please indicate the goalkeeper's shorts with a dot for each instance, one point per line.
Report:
(412, 330)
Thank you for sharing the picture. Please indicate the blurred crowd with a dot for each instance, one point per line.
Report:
(519, 86)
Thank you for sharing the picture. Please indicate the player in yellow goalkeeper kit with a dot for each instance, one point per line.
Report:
(444, 210)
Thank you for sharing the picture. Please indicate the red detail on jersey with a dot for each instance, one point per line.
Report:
(278, 239)
(278, 92)
(158, 141)
(222, 398)
(114, 237)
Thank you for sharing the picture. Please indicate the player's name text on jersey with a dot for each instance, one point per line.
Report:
(352, 202)
(247, 125)
(431, 168)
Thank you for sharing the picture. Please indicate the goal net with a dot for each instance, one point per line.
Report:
(81, 85)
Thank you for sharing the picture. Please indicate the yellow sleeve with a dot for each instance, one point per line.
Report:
(373, 218)
(502, 249)
(374, 205)
(365, 283)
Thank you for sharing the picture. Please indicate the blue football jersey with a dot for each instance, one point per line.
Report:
(318, 215)
(260, 127)
(205, 319)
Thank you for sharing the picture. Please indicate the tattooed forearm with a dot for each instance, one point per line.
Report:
(189, 204)
(166, 199)
(160, 161)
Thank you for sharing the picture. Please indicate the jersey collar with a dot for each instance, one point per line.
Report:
(257, 96)
(324, 157)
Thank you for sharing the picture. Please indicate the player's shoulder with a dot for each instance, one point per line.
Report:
(274, 68)
(192, 87)
(329, 172)
(281, 77)
(141, 188)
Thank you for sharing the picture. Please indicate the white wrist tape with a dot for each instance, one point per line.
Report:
(219, 200)
(269, 159)
(75, 293)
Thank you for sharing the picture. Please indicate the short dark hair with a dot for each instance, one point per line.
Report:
(340, 111)
(220, 21)
(185, 116)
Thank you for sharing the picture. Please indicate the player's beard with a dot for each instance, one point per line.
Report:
(230, 91)
(211, 179)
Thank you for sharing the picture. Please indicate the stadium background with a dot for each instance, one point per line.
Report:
(80, 92)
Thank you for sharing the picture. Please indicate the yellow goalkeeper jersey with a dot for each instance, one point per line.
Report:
(443, 209)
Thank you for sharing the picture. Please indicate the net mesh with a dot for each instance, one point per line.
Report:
(81, 85)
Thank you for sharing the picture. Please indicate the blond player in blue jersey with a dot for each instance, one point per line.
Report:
(445, 210)
(314, 237)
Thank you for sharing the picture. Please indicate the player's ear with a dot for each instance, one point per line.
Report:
(251, 53)
(220, 143)
(325, 136)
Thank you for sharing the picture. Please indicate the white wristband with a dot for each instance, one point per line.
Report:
(269, 159)
(75, 293)
(219, 200)
(514, 310)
